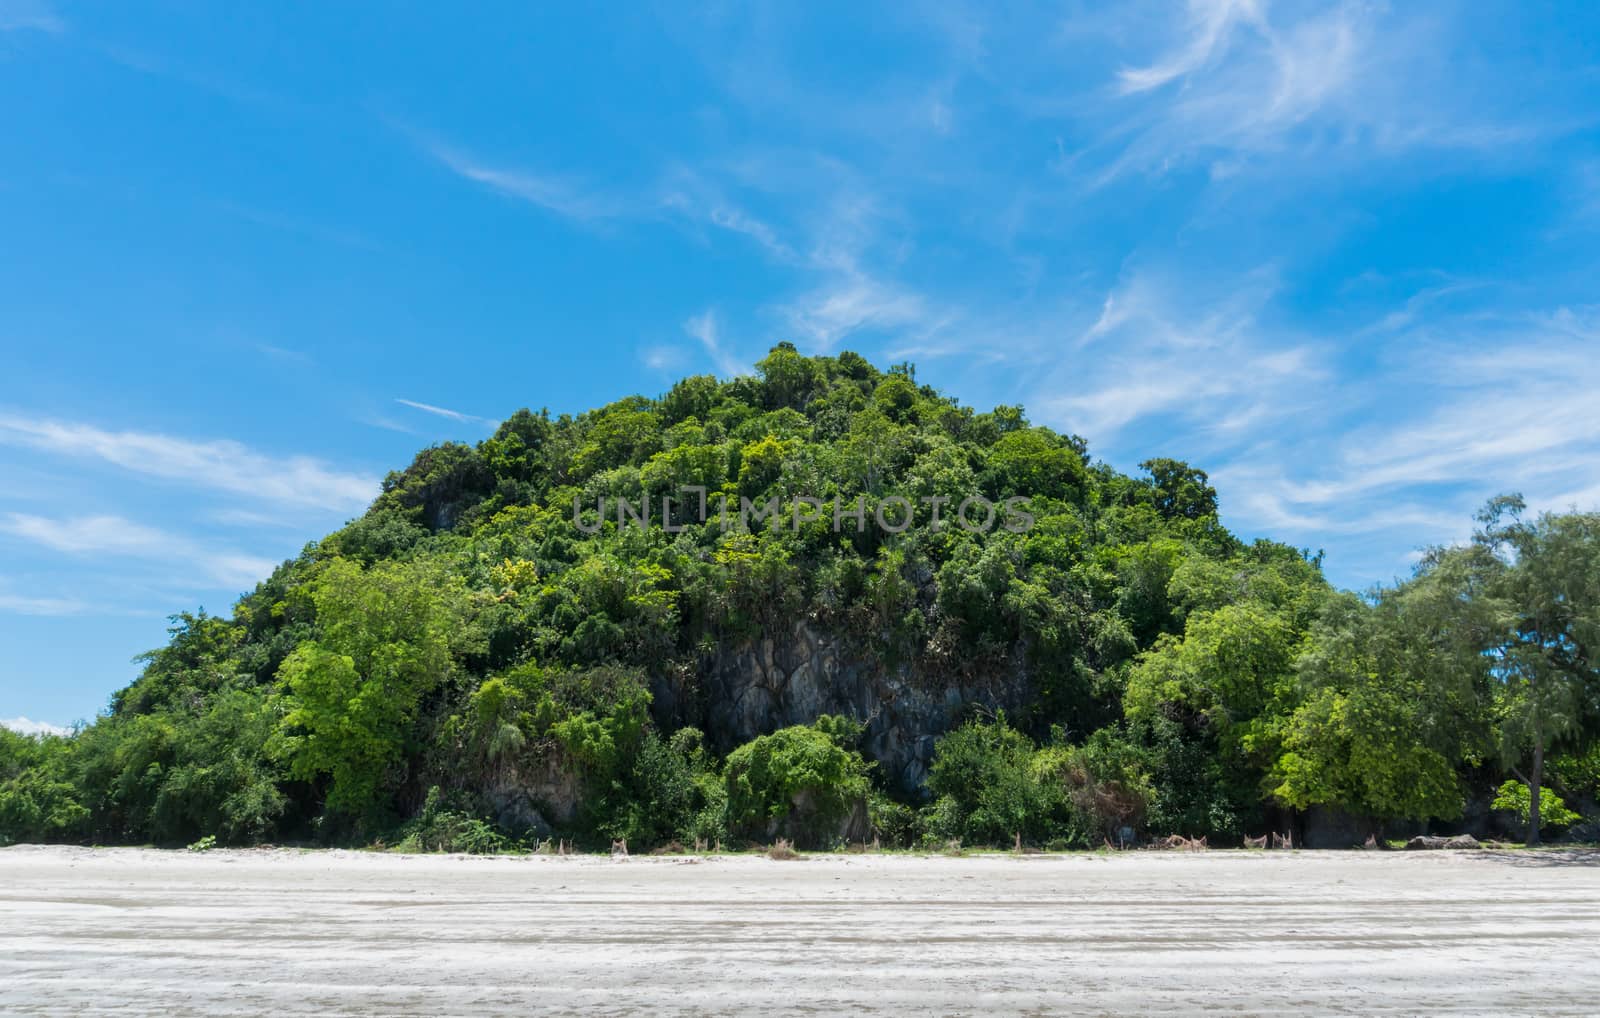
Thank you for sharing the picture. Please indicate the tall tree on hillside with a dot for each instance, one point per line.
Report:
(351, 694)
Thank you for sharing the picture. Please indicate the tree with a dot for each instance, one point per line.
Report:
(1230, 674)
(441, 483)
(1390, 711)
(381, 645)
(1182, 492)
(627, 431)
(37, 802)
(1540, 582)
(787, 377)
(1033, 463)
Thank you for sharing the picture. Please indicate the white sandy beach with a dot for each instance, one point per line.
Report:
(133, 931)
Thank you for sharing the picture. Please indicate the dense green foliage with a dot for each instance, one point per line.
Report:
(993, 784)
(800, 781)
(467, 666)
(38, 799)
(1514, 798)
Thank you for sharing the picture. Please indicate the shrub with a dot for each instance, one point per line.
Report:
(1515, 798)
(987, 789)
(656, 802)
(1104, 781)
(895, 823)
(671, 793)
(440, 829)
(802, 781)
(782, 850)
(710, 820)
(938, 821)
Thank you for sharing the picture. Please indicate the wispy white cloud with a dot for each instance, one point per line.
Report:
(564, 195)
(1244, 83)
(1210, 22)
(1378, 441)
(1194, 359)
(1463, 406)
(35, 15)
(854, 303)
(664, 358)
(446, 413)
(1418, 306)
(17, 604)
(703, 327)
(26, 726)
(838, 250)
(1247, 88)
(113, 535)
(88, 534)
(828, 236)
(253, 519)
(387, 423)
(283, 353)
(1510, 407)
(737, 220)
(218, 465)
(304, 227)
(47, 605)
(696, 199)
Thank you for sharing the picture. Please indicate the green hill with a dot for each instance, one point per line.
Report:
(521, 638)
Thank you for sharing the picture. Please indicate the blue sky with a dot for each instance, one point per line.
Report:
(1340, 255)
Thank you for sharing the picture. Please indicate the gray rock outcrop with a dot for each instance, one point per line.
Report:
(792, 677)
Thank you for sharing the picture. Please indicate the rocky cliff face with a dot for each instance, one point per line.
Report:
(533, 796)
(792, 677)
